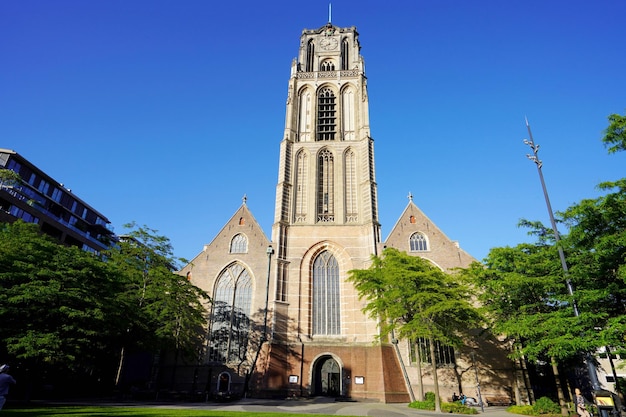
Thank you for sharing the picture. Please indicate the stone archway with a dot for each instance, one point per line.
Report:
(326, 377)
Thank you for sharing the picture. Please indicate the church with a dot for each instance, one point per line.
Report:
(284, 321)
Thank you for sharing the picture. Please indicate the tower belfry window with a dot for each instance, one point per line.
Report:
(345, 63)
(327, 65)
(310, 55)
(326, 120)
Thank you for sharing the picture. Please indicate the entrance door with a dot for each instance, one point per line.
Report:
(327, 377)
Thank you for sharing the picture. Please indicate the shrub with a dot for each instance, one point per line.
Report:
(429, 404)
(545, 405)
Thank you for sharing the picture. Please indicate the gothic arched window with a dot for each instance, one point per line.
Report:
(350, 186)
(326, 118)
(310, 55)
(418, 242)
(230, 317)
(302, 166)
(344, 55)
(327, 65)
(239, 244)
(326, 299)
(325, 187)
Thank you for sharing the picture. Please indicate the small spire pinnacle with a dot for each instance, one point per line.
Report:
(410, 196)
(244, 199)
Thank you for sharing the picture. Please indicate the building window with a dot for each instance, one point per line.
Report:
(345, 63)
(239, 244)
(327, 65)
(230, 317)
(326, 119)
(325, 187)
(302, 168)
(310, 55)
(420, 350)
(351, 187)
(418, 242)
(326, 300)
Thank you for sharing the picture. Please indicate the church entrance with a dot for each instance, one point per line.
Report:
(327, 377)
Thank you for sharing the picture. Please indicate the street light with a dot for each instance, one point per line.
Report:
(591, 368)
(269, 252)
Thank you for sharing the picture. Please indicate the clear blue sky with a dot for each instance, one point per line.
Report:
(167, 112)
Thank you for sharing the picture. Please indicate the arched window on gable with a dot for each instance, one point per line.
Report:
(230, 317)
(326, 314)
(418, 242)
(239, 244)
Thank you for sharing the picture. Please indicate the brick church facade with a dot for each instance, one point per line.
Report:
(284, 320)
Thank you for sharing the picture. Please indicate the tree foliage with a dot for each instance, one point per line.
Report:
(615, 135)
(57, 303)
(168, 310)
(64, 308)
(414, 298)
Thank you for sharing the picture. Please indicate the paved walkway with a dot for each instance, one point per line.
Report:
(317, 406)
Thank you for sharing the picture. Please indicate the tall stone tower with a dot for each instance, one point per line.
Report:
(284, 319)
(326, 224)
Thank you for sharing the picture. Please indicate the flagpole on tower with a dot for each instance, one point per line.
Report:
(330, 13)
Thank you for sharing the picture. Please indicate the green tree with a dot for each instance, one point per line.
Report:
(414, 299)
(57, 303)
(168, 312)
(8, 178)
(615, 135)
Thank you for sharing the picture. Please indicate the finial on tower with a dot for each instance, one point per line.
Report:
(244, 199)
(410, 196)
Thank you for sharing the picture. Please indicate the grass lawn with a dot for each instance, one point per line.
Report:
(64, 411)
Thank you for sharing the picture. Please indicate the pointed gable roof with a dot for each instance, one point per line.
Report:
(242, 221)
(440, 249)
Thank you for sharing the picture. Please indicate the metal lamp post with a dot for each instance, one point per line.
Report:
(591, 368)
(269, 252)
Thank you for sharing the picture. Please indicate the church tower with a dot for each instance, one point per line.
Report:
(284, 320)
(326, 224)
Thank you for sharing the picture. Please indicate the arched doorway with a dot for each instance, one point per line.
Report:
(223, 383)
(327, 377)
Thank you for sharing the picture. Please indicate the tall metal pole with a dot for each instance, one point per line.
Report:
(591, 367)
(269, 252)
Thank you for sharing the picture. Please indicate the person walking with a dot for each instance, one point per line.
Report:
(581, 404)
(6, 380)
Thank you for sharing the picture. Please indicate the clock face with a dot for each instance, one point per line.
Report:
(328, 43)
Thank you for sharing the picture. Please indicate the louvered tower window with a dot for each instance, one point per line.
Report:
(326, 119)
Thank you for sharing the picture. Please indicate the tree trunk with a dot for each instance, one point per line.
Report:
(120, 366)
(559, 388)
(433, 361)
(420, 381)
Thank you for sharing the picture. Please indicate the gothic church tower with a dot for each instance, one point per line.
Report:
(284, 319)
(326, 222)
